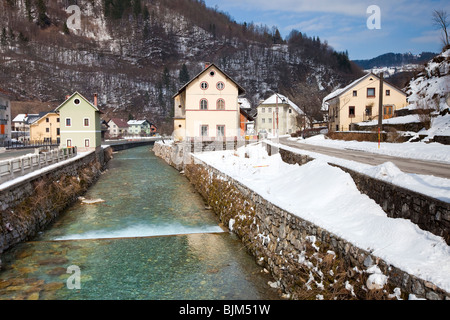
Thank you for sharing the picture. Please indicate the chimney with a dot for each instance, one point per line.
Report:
(67, 97)
(207, 64)
(95, 99)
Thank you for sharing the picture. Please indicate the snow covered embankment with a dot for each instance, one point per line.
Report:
(327, 197)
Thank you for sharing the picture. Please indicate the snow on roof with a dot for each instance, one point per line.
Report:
(136, 122)
(281, 100)
(20, 117)
(245, 104)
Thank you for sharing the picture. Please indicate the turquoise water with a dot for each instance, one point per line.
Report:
(150, 238)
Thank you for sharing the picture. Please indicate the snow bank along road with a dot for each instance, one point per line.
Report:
(434, 168)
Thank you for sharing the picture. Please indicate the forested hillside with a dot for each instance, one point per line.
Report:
(132, 52)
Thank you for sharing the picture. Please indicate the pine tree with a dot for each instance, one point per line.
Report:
(66, 28)
(3, 38)
(184, 75)
(43, 19)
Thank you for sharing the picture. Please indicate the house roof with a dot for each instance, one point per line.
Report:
(73, 94)
(240, 89)
(40, 116)
(246, 115)
(119, 122)
(136, 122)
(281, 100)
(5, 93)
(341, 91)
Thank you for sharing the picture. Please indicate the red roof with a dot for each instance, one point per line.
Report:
(119, 122)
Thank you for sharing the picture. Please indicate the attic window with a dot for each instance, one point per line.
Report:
(220, 85)
(76, 101)
(204, 85)
(212, 73)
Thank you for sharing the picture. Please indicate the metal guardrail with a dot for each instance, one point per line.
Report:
(17, 167)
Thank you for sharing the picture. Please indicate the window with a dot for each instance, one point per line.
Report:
(204, 85)
(290, 110)
(221, 131)
(220, 85)
(263, 120)
(47, 120)
(68, 122)
(351, 112)
(86, 122)
(203, 104)
(212, 73)
(204, 130)
(220, 104)
(388, 92)
(47, 130)
(270, 110)
(57, 131)
(69, 142)
(76, 101)
(263, 110)
(57, 120)
(370, 92)
(270, 120)
(355, 93)
(368, 110)
(86, 143)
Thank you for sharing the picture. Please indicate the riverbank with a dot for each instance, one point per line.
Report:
(32, 202)
(310, 258)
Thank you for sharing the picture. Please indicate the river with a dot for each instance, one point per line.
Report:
(150, 238)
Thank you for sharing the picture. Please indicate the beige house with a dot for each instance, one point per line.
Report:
(46, 128)
(359, 101)
(80, 123)
(207, 106)
(279, 113)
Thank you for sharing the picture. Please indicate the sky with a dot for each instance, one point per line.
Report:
(366, 29)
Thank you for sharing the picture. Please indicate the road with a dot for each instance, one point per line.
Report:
(434, 168)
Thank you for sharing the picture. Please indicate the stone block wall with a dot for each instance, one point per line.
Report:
(306, 260)
(30, 205)
(428, 213)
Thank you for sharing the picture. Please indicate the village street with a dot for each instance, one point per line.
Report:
(438, 169)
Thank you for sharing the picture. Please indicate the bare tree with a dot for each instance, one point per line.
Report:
(442, 21)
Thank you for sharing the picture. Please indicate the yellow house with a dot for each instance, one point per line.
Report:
(359, 101)
(207, 106)
(46, 128)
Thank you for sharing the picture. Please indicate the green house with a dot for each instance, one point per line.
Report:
(80, 123)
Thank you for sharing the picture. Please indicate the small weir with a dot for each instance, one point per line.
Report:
(149, 236)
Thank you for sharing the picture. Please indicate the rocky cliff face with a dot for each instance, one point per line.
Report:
(131, 52)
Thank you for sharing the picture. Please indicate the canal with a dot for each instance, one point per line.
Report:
(148, 237)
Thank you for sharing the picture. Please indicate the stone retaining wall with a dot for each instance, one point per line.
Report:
(428, 213)
(307, 261)
(30, 205)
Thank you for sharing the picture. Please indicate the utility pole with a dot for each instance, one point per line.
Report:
(380, 110)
